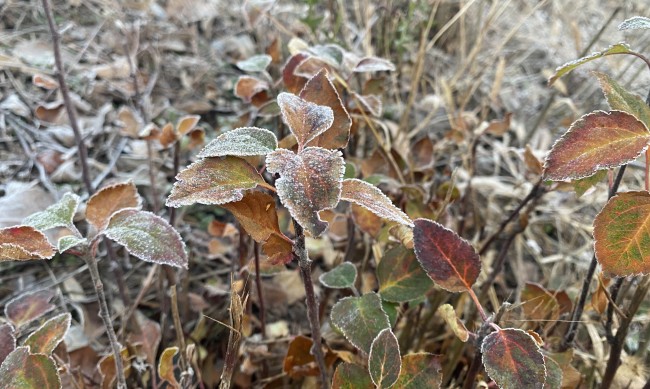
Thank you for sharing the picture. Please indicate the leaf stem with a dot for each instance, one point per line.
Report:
(106, 318)
(481, 311)
(258, 284)
(300, 251)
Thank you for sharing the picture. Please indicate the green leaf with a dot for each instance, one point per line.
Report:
(581, 185)
(619, 48)
(621, 100)
(245, 141)
(217, 181)
(351, 376)
(29, 307)
(448, 259)
(596, 141)
(421, 370)
(401, 277)
(24, 370)
(21, 243)
(392, 310)
(320, 90)
(331, 54)
(553, 374)
(371, 198)
(341, 277)
(622, 234)
(45, 339)
(306, 120)
(69, 241)
(56, 215)
(635, 23)
(513, 359)
(256, 63)
(309, 182)
(360, 319)
(384, 363)
(449, 315)
(148, 237)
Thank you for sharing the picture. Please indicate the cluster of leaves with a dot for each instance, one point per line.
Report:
(113, 212)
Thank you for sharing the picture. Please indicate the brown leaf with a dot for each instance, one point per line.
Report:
(320, 90)
(21, 243)
(292, 82)
(247, 87)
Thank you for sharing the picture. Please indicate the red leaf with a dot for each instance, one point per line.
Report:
(45, 339)
(596, 141)
(320, 90)
(7, 341)
(449, 260)
(28, 307)
(513, 359)
(622, 234)
(309, 182)
(292, 82)
(384, 362)
(306, 120)
(21, 243)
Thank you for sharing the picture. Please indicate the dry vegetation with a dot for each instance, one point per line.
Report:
(466, 114)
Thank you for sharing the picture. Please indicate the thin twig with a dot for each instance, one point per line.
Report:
(69, 106)
(300, 251)
(571, 331)
(258, 284)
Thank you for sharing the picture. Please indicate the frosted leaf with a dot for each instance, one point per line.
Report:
(28, 307)
(374, 64)
(635, 23)
(309, 182)
(148, 237)
(216, 181)
(305, 120)
(24, 370)
(245, 141)
(69, 241)
(45, 339)
(320, 90)
(247, 87)
(360, 319)
(619, 48)
(7, 340)
(109, 200)
(56, 215)
(371, 198)
(21, 243)
(256, 63)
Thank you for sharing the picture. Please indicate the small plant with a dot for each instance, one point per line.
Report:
(113, 212)
(604, 140)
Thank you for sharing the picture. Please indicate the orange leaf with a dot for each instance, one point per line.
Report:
(109, 200)
(22, 243)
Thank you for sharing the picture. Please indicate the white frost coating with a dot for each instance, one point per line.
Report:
(339, 271)
(493, 372)
(61, 323)
(148, 237)
(569, 66)
(256, 63)
(59, 214)
(389, 350)
(308, 183)
(635, 23)
(353, 323)
(245, 141)
(374, 64)
(69, 241)
(374, 200)
(305, 119)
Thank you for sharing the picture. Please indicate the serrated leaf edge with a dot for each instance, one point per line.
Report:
(372, 345)
(406, 220)
(203, 154)
(598, 166)
(354, 268)
(381, 308)
(67, 322)
(523, 332)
